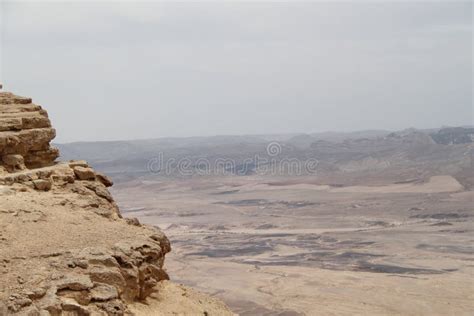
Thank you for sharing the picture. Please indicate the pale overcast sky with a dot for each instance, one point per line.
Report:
(121, 70)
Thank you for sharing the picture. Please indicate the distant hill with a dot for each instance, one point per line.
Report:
(344, 157)
(454, 135)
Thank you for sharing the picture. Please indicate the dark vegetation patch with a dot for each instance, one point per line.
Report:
(441, 216)
(377, 223)
(447, 249)
(250, 202)
(226, 192)
(266, 226)
(321, 251)
(218, 227)
(235, 250)
(190, 214)
(250, 308)
(385, 268)
(244, 169)
(407, 181)
(281, 183)
(355, 243)
(450, 270)
(296, 204)
(350, 255)
(278, 235)
(322, 259)
(442, 224)
(348, 261)
(267, 203)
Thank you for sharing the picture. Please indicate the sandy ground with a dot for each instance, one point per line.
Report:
(173, 299)
(305, 249)
(39, 232)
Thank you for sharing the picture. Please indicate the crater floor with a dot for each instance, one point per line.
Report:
(285, 246)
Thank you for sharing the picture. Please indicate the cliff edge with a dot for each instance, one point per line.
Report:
(64, 247)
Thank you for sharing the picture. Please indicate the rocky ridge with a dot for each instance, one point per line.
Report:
(64, 247)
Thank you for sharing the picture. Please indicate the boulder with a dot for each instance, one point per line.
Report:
(104, 179)
(78, 163)
(42, 184)
(104, 292)
(83, 173)
(75, 282)
(100, 190)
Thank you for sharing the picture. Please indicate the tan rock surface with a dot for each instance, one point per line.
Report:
(64, 247)
(25, 133)
(173, 299)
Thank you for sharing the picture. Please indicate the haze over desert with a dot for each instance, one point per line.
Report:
(252, 158)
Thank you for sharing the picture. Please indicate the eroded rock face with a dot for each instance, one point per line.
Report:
(101, 279)
(25, 134)
(42, 203)
(64, 247)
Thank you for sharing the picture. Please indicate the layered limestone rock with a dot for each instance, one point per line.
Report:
(25, 134)
(64, 247)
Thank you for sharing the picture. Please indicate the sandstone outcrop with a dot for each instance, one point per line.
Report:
(25, 134)
(64, 247)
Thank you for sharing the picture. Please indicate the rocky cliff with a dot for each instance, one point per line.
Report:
(64, 247)
(25, 135)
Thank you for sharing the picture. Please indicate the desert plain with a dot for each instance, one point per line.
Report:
(382, 226)
(286, 246)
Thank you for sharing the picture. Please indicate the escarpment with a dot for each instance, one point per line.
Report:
(64, 247)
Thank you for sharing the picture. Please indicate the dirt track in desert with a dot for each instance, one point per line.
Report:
(279, 246)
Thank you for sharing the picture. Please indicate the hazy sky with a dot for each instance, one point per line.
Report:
(121, 70)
